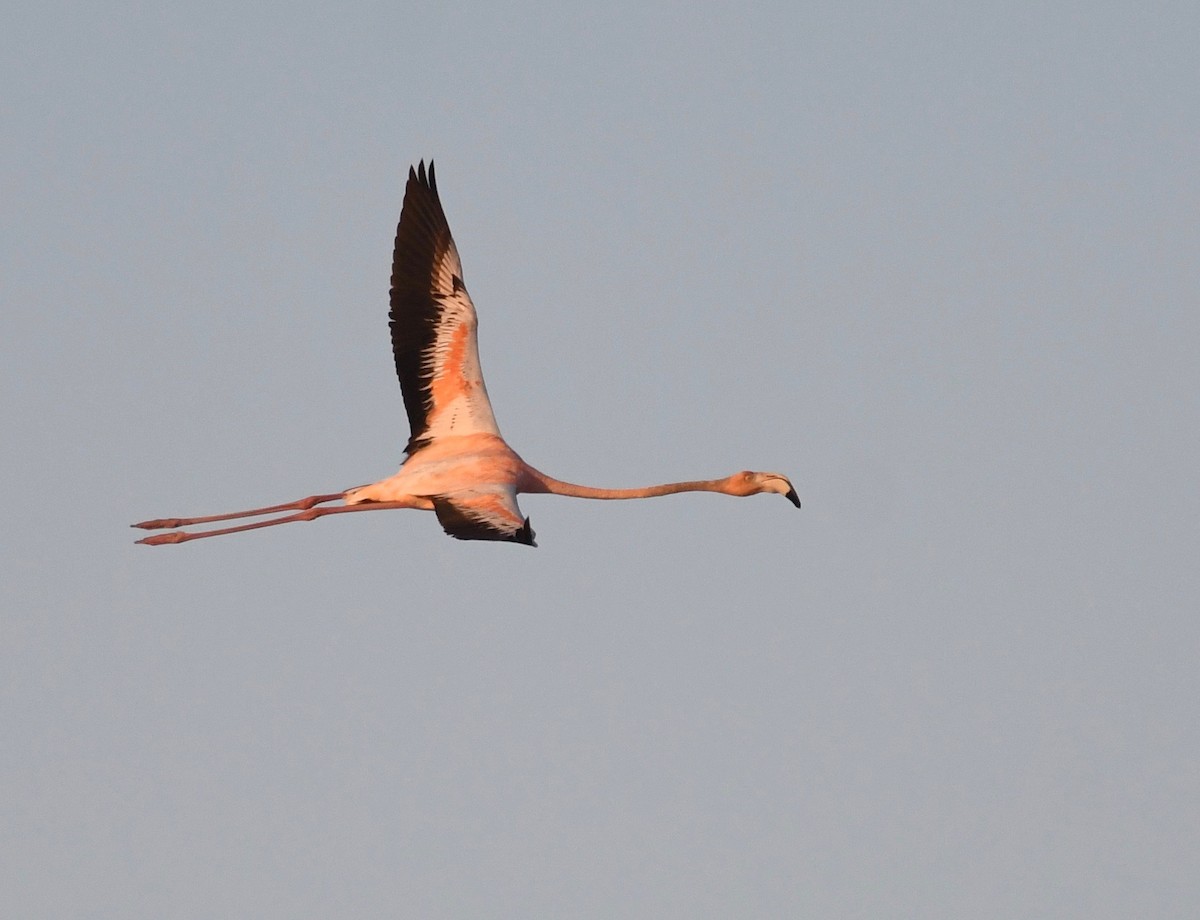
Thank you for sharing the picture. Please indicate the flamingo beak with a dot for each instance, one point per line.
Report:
(784, 487)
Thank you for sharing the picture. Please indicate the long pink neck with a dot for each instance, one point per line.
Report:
(543, 483)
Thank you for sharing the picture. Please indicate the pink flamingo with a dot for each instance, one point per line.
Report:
(458, 465)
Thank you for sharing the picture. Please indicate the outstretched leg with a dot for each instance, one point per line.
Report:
(309, 514)
(302, 504)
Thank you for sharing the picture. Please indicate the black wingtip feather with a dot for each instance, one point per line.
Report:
(425, 177)
(525, 535)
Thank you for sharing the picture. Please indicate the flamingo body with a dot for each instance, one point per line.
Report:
(458, 464)
(470, 480)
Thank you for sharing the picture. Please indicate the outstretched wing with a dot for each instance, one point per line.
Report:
(484, 513)
(433, 323)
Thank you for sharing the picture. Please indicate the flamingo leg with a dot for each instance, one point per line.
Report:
(302, 504)
(309, 514)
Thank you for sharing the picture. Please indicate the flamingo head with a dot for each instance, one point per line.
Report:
(748, 482)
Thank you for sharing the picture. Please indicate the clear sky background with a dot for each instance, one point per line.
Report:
(938, 262)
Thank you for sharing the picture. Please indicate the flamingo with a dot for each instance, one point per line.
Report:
(457, 465)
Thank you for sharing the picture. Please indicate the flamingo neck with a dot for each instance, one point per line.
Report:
(543, 483)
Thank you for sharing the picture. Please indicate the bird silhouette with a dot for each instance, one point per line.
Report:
(457, 464)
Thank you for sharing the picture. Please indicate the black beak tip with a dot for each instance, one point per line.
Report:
(793, 497)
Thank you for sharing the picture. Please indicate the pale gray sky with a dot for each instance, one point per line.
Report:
(939, 263)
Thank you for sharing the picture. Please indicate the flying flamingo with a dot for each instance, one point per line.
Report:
(458, 465)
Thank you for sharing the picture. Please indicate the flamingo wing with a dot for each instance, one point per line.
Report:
(483, 513)
(433, 323)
